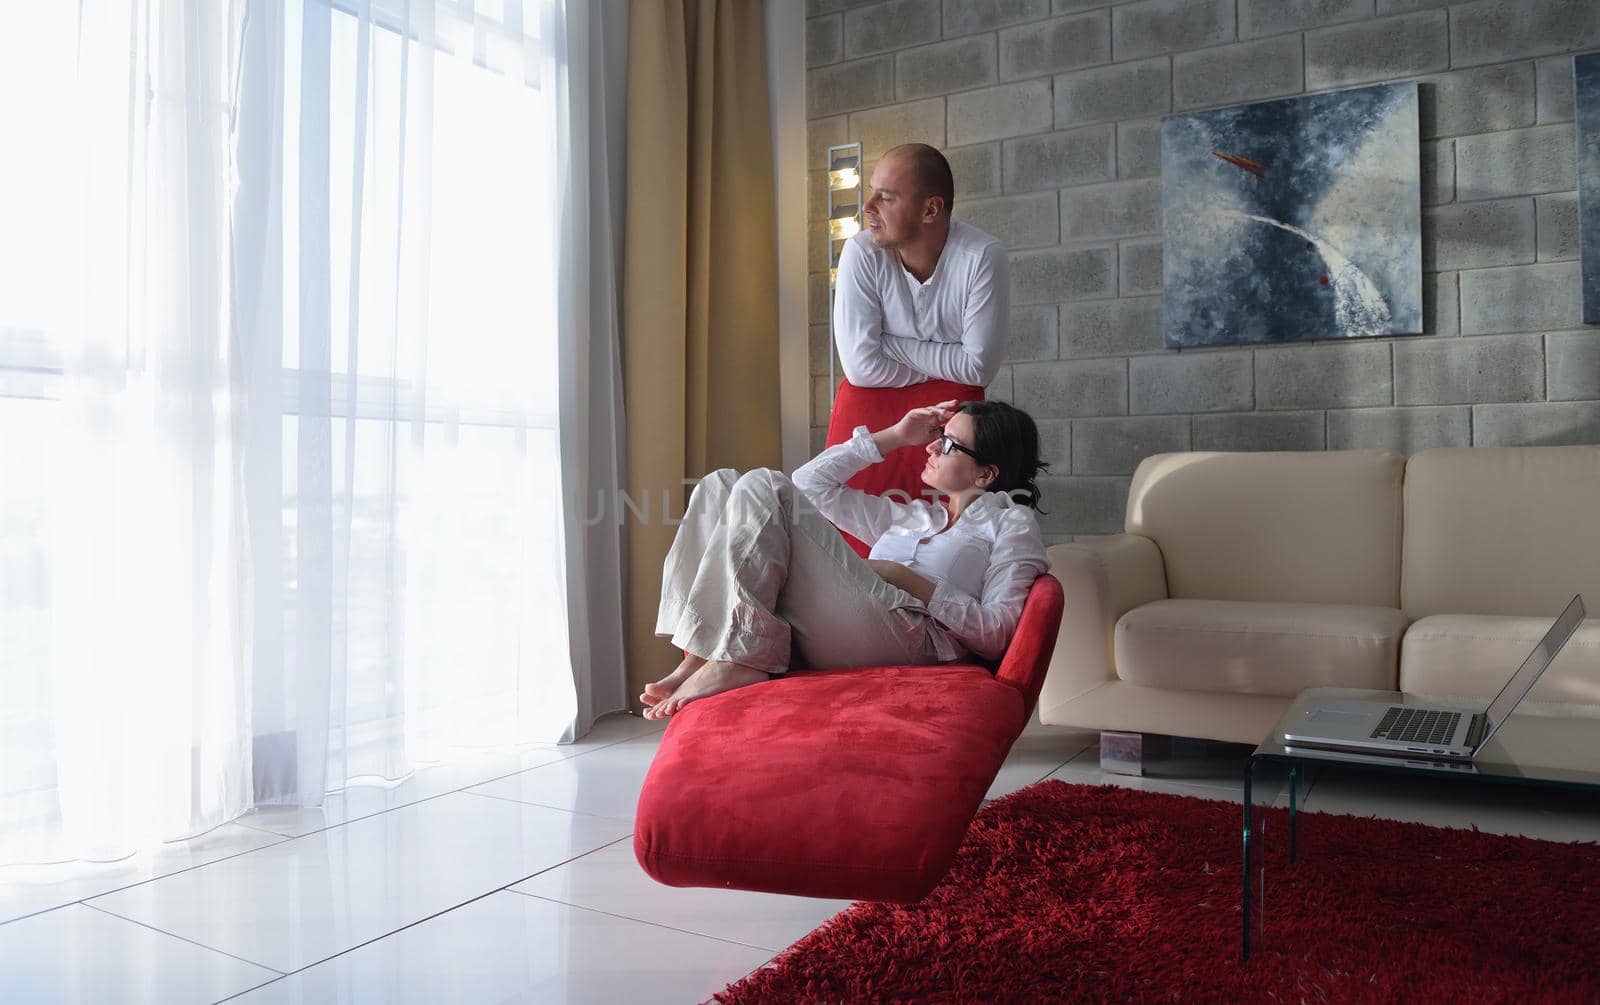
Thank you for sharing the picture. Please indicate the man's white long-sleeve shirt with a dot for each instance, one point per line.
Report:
(894, 331)
(982, 566)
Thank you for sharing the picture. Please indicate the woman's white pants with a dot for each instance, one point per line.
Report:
(757, 576)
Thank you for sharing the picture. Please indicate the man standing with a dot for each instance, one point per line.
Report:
(919, 296)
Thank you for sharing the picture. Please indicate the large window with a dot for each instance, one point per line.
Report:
(412, 579)
(39, 224)
(459, 194)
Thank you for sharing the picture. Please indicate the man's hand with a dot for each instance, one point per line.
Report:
(898, 575)
(917, 427)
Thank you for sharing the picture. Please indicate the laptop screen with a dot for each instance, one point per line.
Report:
(1534, 665)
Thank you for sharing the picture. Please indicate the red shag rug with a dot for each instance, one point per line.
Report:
(1070, 893)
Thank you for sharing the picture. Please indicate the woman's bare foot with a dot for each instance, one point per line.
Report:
(713, 678)
(662, 689)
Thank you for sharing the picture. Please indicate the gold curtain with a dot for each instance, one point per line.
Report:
(700, 315)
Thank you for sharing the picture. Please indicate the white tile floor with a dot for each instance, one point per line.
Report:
(511, 877)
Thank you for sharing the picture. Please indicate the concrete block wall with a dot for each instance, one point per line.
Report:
(1049, 111)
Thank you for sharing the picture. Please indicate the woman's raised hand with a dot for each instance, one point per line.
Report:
(921, 425)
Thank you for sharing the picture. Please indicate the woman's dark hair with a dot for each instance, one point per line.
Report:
(1007, 438)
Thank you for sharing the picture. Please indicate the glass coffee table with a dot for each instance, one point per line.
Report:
(1541, 745)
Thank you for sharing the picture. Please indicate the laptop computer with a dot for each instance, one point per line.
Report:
(1370, 726)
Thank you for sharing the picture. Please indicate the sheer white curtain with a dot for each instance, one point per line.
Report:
(123, 574)
(413, 503)
(399, 159)
(290, 490)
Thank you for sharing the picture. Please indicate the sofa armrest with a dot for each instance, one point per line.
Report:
(1103, 578)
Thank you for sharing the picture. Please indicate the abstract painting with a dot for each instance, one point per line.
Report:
(1586, 97)
(1294, 220)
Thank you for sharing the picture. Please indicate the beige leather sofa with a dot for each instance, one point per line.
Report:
(1243, 578)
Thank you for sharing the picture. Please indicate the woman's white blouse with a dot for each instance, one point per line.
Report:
(982, 566)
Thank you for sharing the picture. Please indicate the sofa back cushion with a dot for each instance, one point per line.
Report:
(1313, 527)
(1501, 530)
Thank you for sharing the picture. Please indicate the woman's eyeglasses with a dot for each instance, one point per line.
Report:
(946, 444)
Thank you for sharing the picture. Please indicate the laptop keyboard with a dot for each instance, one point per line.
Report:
(1417, 725)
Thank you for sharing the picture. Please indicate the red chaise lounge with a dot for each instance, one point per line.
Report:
(853, 784)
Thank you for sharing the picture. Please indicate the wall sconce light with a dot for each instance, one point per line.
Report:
(845, 201)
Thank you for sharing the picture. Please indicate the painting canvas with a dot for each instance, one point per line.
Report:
(1586, 95)
(1294, 220)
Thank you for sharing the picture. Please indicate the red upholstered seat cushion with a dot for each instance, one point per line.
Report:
(853, 784)
(878, 408)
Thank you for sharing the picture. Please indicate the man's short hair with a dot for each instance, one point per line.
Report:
(931, 170)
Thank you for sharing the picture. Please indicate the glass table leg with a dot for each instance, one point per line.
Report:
(1244, 871)
(1294, 777)
(1264, 779)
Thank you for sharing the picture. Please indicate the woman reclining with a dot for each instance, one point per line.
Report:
(758, 581)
